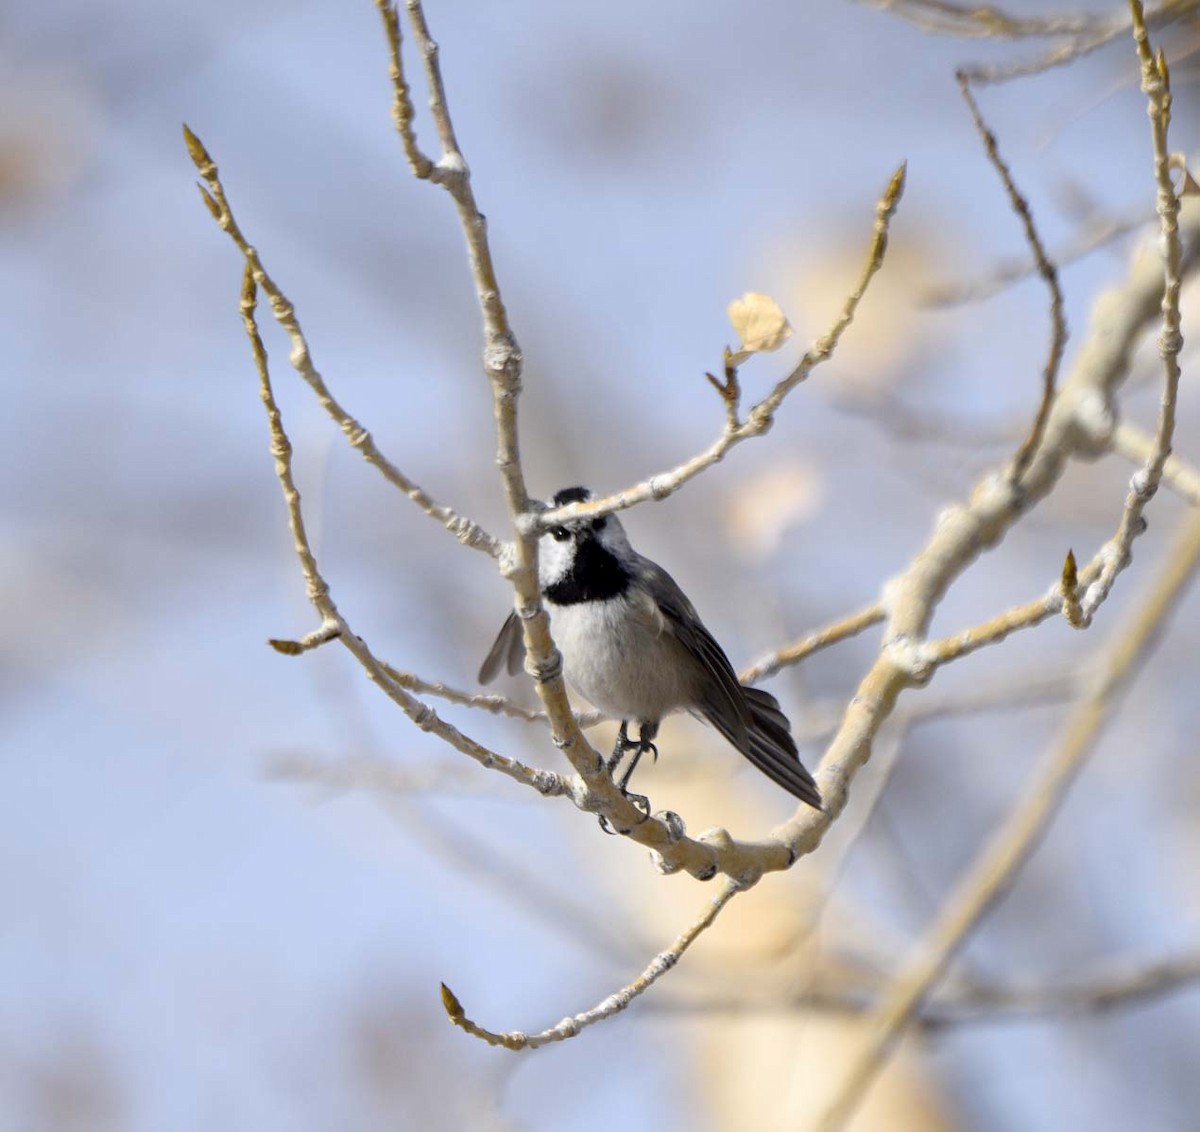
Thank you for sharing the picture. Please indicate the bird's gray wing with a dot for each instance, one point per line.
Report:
(722, 701)
(749, 718)
(508, 651)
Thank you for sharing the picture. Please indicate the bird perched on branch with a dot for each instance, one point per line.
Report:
(634, 646)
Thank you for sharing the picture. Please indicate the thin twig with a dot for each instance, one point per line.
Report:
(1046, 269)
(840, 630)
(994, 870)
(465, 530)
(613, 1004)
(333, 625)
(1117, 552)
(761, 417)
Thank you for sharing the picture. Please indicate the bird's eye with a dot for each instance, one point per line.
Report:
(600, 524)
(560, 534)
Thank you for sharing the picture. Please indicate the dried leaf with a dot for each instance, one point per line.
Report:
(759, 322)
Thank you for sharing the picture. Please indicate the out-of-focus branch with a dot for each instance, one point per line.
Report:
(496, 705)
(1046, 269)
(994, 870)
(982, 21)
(613, 1004)
(1086, 42)
(1007, 272)
(1112, 988)
(380, 776)
(1181, 477)
(760, 418)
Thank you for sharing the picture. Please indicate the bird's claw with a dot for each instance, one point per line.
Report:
(639, 801)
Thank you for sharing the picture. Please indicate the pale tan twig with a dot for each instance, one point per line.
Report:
(762, 415)
(1181, 477)
(948, 649)
(333, 625)
(1117, 552)
(1046, 269)
(466, 531)
(993, 871)
(613, 1004)
(840, 630)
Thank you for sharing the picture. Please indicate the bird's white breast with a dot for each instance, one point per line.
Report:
(623, 657)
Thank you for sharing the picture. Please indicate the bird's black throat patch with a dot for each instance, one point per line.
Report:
(595, 575)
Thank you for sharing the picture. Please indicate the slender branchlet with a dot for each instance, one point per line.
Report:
(614, 1003)
(1045, 268)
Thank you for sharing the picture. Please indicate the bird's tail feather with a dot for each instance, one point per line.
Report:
(770, 747)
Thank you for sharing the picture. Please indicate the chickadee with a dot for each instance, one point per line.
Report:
(635, 648)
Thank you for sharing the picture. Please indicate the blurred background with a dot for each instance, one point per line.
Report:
(233, 881)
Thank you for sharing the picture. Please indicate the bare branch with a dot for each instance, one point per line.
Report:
(613, 1004)
(1048, 272)
(762, 415)
(994, 870)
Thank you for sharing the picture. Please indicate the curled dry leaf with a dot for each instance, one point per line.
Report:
(759, 323)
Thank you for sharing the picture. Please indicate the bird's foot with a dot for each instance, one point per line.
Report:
(640, 802)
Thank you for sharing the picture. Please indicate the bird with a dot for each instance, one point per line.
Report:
(633, 645)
